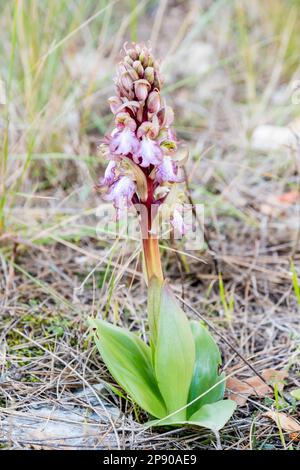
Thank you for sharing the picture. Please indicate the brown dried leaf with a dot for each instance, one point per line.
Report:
(275, 377)
(295, 436)
(285, 422)
(242, 390)
(278, 204)
(288, 198)
(257, 387)
(254, 386)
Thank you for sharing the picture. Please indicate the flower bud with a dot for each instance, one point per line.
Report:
(138, 48)
(114, 103)
(130, 105)
(128, 60)
(144, 58)
(141, 88)
(138, 67)
(150, 61)
(153, 102)
(165, 116)
(149, 74)
(133, 74)
(133, 54)
(126, 81)
(140, 112)
(124, 120)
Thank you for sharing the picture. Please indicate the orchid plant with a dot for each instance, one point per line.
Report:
(175, 378)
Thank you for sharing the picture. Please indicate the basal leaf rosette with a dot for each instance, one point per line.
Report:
(176, 378)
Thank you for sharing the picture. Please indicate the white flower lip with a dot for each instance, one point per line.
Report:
(149, 152)
(167, 171)
(124, 142)
(121, 192)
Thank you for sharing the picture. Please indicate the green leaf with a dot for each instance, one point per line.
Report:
(295, 283)
(174, 354)
(128, 359)
(205, 375)
(214, 416)
(296, 393)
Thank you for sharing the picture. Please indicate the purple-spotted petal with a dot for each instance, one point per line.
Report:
(167, 171)
(121, 192)
(109, 174)
(149, 152)
(123, 142)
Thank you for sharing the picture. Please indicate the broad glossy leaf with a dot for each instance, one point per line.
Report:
(205, 374)
(213, 416)
(174, 354)
(128, 359)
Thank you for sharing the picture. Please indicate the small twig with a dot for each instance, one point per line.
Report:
(191, 201)
(87, 384)
(230, 345)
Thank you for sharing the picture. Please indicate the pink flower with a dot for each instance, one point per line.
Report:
(123, 142)
(142, 145)
(109, 174)
(177, 222)
(167, 171)
(149, 151)
(121, 192)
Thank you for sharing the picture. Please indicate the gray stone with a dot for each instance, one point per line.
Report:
(79, 421)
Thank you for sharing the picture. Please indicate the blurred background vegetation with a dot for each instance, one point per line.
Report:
(224, 63)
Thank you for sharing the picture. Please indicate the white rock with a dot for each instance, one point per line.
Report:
(63, 425)
(197, 61)
(267, 137)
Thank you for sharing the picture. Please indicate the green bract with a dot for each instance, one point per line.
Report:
(176, 379)
(174, 357)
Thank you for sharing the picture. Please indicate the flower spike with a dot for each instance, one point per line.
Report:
(142, 134)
